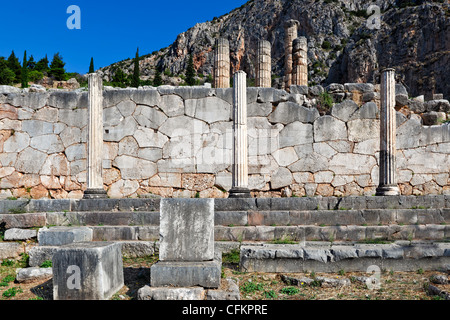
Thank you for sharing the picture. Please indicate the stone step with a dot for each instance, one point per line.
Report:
(255, 204)
(399, 256)
(287, 233)
(362, 217)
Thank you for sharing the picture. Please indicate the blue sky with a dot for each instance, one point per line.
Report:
(110, 30)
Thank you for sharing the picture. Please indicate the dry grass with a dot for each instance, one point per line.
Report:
(254, 286)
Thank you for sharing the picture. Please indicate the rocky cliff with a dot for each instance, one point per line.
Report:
(413, 38)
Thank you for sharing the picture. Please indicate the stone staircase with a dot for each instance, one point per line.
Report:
(240, 222)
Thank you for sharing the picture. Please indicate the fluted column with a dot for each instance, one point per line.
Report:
(300, 62)
(290, 29)
(388, 181)
(264, 64)
(95, 139)
(240, 146)
(222, 64)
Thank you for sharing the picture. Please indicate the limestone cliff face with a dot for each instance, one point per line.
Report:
(412, 39)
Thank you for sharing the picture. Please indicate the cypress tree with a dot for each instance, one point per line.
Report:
(91, 66)
(190, 72)
(31, 64)
(57, 67)
(157, 80)
(24, 74)
(14, 66)
(135, 81)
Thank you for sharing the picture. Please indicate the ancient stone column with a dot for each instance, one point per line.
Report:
(264, 65)
(222, 64)
(290, 29)
(95, 139)
(300, 62)
(388, 182)
(240, 146)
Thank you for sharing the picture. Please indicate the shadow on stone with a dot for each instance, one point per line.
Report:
(44, 290)
(134, 279)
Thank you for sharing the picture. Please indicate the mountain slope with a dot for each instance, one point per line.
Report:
(414, 39)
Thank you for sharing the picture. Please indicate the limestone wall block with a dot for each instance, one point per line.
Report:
(348, 163)
(210, 109)
(328, 128)
(363, 129)
(126, 108)
(135, 168)
(126, 127)
(149, 117)
(296, 133)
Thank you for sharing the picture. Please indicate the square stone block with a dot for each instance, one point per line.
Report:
(186, 230)
(59, 236)
(186, 274)
(87, 271)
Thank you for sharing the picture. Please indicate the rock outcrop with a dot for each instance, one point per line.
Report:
(413, 38)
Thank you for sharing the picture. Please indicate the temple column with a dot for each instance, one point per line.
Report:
(95, 139)
(300, 62)
(388, 181)
(240, 145)
(264, 65)
(222, 64)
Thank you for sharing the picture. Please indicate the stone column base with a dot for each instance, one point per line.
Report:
(237, 192)
(95, 194)
(388, 190)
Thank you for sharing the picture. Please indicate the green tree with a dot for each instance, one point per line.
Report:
(24, 73)
(91, 66)
(6, 75)
(120, 79)
(157, 80)
(35, 76)
(190, 72)
(42, 65)
(31, 64)
(57, 70)
(135, 80)
(14, 66)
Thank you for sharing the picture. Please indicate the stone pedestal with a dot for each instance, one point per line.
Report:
(290, 34)
(87, 271)
(264, 65)
(186, 249)
(388, 182)
(222, 64)
(239, 187)
(95, 139)
(300, 62)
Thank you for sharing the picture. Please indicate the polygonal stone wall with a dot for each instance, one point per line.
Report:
(177, 142)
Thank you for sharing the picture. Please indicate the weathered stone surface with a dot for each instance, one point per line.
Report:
(231, 293)
(10, 250)
(210, 109)
(171, 294)
(26, 275)
(26, 220)
(149, 117)
(344, 111)
(363, 129)
(288, 112)
(99, 268)
(328, 128)
(187, 230)
(186, 274)
(17, 142)
(359, 87)
(59, 236)
(16, 234)
(135, 168)
(296, 133)
(281, 178)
